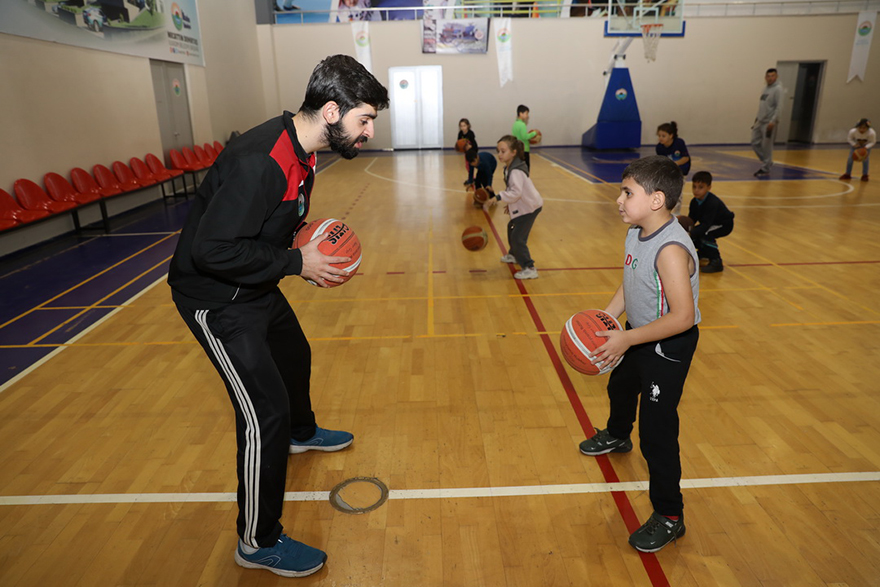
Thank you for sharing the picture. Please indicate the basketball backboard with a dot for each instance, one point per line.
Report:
(626, 17)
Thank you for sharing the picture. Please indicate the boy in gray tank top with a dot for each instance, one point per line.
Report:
(659, 293)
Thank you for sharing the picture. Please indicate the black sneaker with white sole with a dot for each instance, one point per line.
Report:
(602, 443)
(656, 533)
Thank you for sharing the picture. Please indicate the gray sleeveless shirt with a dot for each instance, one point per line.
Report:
(642, 289)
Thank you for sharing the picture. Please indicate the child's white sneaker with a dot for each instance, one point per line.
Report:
(530, 273)
(508, 258)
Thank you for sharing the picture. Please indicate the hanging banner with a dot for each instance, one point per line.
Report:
(504, 49)
(861, 45)
(145, 28)
(360, 32)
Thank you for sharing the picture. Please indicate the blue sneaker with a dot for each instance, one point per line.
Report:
(323, 440)
(287, 558)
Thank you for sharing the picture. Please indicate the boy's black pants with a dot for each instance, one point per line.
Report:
(265, 361)
(651, 378)
(707, 244)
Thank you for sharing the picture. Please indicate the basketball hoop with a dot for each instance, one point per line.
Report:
(650, 39)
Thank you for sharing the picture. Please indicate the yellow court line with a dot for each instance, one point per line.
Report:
(430, 273)
(77, 308)
(87, 308)
(95, 276)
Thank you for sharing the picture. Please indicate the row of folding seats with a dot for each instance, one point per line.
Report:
(33, 203)
(192, 161)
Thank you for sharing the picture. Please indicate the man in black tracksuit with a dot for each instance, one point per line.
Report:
(233, 251)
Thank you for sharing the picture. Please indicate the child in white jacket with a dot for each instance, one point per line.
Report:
(862, 136)
(523, 201)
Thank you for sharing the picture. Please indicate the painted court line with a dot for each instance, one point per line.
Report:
(453, 492)
(70, 342)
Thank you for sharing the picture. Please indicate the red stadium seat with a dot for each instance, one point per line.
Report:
(127, 179)
(158, 168)
(32, 197)
(143, 173)
(211, 152)
(107, 180)
(178, 161)
(7, 224)
(202, 156)
(85, 183)
(60, 190)
(11, 210)
(192, 160)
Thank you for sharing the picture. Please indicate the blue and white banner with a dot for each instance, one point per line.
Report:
(157, 29)
(861, 45)
(504, 49)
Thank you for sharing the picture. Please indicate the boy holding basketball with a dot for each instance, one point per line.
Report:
(521, 131)
(233, 251)
(659, 294)
(860, 138)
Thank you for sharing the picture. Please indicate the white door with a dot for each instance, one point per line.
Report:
(172, 105)
(416, 107)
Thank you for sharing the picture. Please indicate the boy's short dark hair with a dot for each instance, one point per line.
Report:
(657, 174)
(520, 109)
(342, 79)
(471, 154)
(702, 177)
(771, 70)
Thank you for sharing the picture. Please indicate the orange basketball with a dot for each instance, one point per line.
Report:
(535, 139)
(481, 195)
(474, 238)
(578, 339)
(860, 154)
(338, 241)
(461, 145)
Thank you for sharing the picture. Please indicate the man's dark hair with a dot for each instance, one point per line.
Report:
(771, 70)
(520, 109)
(703, 177)
(657, 174)
(341, 79)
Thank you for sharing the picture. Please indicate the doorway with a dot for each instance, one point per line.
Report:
(172, 106)
(802, 82)
(416, 107)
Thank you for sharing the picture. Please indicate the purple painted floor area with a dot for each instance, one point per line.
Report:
(608, 166)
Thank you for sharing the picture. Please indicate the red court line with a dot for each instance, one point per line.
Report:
(649, 561)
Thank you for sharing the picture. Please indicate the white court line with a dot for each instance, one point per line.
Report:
(451, 493)
(67, 344)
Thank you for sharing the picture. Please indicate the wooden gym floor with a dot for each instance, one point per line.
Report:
(117, 461)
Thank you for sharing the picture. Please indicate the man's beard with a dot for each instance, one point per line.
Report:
(342, 143)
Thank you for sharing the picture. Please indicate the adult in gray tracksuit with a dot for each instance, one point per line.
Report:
(764, 128)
